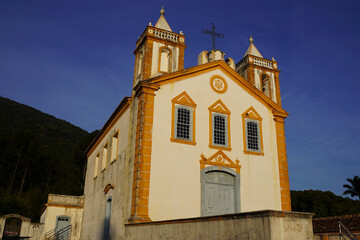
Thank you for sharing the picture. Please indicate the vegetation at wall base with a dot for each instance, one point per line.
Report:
(323, 204)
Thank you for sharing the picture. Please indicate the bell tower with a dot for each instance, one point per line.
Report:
(262, 73)
(158, 51)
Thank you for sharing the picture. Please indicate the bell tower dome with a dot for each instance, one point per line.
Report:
(262, 73)
(158, 51)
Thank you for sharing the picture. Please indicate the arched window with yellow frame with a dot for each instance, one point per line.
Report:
(183, 119)
(252, 132)
(219, 126)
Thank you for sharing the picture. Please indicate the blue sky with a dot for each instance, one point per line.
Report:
(74, 60)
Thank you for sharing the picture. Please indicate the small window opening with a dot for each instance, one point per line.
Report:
(96, 168)
(104, 157)
(114, 146)
(219, 130)
(265, 83)
(183, 123)
(139, 64)
(252, 135)
(165, 60)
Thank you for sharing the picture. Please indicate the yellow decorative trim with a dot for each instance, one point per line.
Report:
(183, 141)
(282, 161)
(254, 153)
(185, 100)
(145, 92)
(170, 58)
(208, 67)
(218, 84)
(108, 187)
(251, 113)
(219, 107)
(219, 159)
(220, 147)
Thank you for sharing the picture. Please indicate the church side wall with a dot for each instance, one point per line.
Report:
(114, 174)
(175, 181)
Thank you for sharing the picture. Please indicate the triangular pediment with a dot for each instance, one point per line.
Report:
(252, 50)
(163, 24)
(184, 99)
(219, 107)
(226, 70)
(219, 159)
(252, 114)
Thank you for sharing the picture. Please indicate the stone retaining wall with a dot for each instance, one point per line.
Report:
(265, 225)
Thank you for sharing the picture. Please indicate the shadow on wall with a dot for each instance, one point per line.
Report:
(107, 233)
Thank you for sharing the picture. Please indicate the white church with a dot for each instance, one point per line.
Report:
(196, 153)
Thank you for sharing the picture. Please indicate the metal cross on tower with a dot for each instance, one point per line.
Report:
(213, 34)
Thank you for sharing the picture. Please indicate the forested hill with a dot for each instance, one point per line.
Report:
(39, 154)
(323, 204)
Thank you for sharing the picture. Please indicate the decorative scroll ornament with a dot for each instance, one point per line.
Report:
(219, 159)
(108, 187)
(218, 84)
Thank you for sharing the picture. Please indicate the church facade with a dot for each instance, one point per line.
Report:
(203, 141)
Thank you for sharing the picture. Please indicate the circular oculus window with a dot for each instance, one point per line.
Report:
(218, 84)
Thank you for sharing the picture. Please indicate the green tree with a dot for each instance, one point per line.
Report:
(353, 188)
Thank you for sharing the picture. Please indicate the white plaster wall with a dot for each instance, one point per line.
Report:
(25, 228)
(115, 174)
(155, 58)
(36, 231)
(175, 190)
(74, 213)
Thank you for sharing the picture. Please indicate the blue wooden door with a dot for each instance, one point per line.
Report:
(219, 193)
(61, 223)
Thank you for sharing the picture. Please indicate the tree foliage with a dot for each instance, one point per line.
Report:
(323, 204)
(40, 154)
(352, 189)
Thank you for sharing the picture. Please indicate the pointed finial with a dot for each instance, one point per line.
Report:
(251, 39)
(162, 11)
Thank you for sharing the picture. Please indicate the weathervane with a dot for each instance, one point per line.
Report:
(213, 34)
